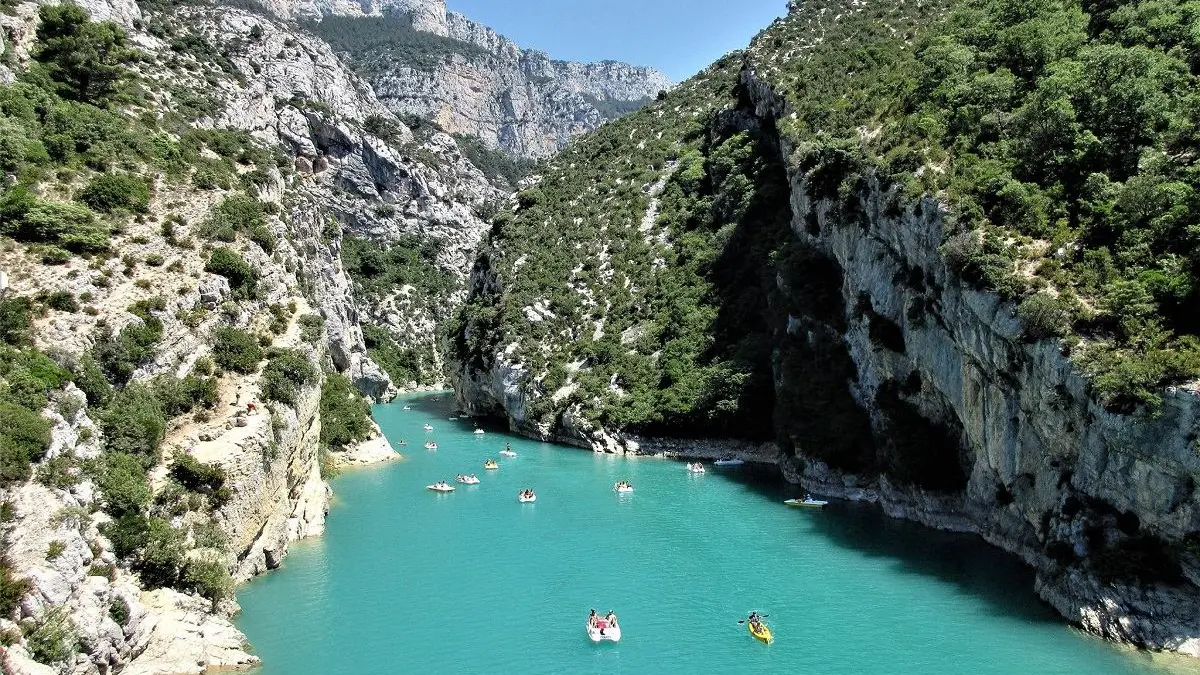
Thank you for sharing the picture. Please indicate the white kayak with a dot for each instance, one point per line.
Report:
(807, 502)
(408, 407)
(610, 634)
(508, 453)
(479, 432)
(440, 487)
(728, 462)
(468, 480)
(428, 427)
(526, 499)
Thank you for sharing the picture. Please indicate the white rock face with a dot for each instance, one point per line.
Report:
(518, 100)
(188, 638)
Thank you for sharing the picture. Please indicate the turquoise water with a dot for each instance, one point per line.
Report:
(410, 581)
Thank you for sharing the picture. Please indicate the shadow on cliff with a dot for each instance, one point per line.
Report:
(967, 562)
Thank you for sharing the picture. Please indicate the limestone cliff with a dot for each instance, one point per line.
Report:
(474, 81)
(322, 158)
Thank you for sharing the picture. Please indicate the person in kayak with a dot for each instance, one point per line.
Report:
(755, 623)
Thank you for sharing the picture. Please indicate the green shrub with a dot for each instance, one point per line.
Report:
(242, 278)
(134, 423)
(85, 59)
(1044, 316)
(128, 533)
(63, 301)
(25, 439)
(52, 639)
(312, 328)
(237, 214)
(90, 379)
(25, 217)
(345, 415)
(55, 549)
(59, 472)
(118, 611)
(12, 589)
(161, 559)
(236, 350)
(201, 478)
(285, 373)
(16, 320)
(209, 578)
(111, 192)
(123, 485)
(181, 396)
(119, 356)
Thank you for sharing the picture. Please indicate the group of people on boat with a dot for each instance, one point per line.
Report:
(442, 485)
(491, 464)
(608, 621)
(466, 478)
(527, 493)
(695, 468)
(622, 486)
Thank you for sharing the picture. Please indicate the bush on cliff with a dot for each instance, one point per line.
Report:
(236, 350)
(228, 263)
(345, 415)
(286, 372)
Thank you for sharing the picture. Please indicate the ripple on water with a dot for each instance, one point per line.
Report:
(407, 581)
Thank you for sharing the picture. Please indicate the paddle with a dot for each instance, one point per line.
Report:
(761, 616)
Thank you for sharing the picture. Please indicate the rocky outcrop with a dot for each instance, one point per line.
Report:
(517, 100)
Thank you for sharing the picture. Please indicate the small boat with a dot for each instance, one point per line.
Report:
(623, 487)
(728, 462)
(402, 443)
(602, 632)
(696, 468)
(467, 480)
(479, 432)
(526, 497)
(508, 453)
(431, 446)
(408, 407)
(763, 633)
(442, 486)
(428, 427)
(491, 464)
(807, 502)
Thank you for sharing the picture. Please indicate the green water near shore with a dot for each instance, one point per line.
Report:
(409, 581)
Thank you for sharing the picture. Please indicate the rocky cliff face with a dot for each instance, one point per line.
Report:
(482, 84)
(333, 174)
(890, 379)
(1046, 472)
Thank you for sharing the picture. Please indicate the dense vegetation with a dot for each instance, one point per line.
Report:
(497, 165)
(652, 321)
(1060, 133)
(345, 415)
(380, 42)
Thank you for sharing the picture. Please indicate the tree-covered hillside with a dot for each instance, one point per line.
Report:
(634, 282)
(1062, 136)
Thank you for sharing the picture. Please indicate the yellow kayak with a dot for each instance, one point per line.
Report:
(763, 633)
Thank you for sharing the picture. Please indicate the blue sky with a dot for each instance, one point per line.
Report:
(680, 37)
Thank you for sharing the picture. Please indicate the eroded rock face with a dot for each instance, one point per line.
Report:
(517, 100)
